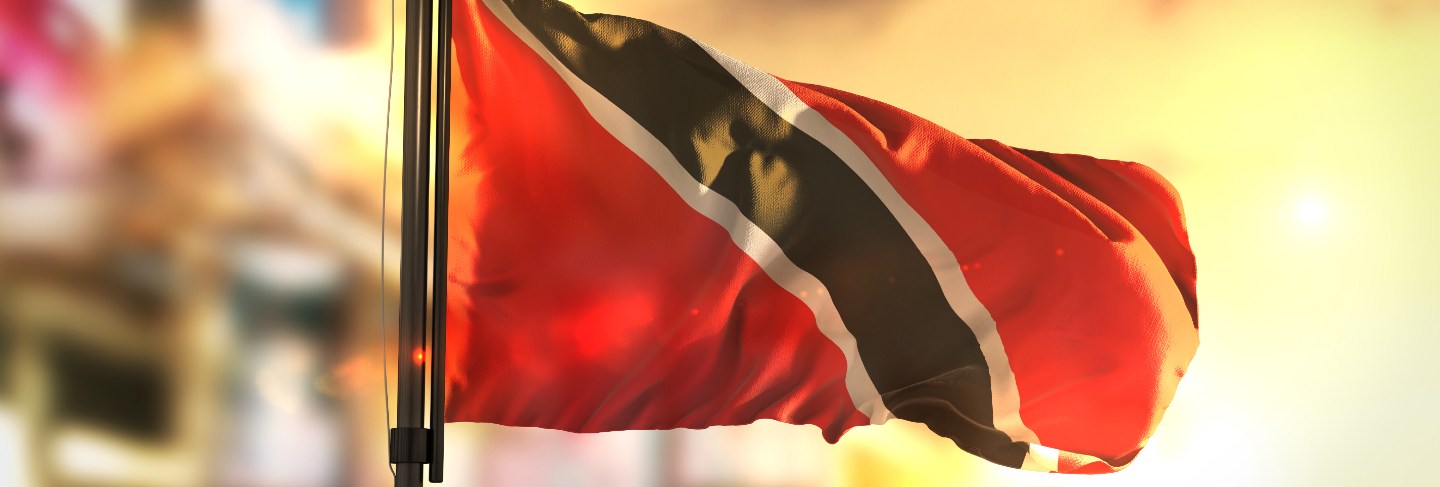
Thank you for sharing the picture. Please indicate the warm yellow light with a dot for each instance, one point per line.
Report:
(1311, 212)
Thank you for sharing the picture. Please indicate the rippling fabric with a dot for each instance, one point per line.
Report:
(648, 234)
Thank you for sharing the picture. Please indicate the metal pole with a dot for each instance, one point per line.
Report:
(442, 233)
(409, 440)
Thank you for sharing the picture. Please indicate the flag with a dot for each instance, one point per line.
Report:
(646, 233)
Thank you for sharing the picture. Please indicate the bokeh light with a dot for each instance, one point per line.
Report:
(1311, 212)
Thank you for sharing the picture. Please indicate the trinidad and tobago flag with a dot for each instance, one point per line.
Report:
(648, 234)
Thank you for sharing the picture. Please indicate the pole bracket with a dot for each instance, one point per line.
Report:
(409, 445)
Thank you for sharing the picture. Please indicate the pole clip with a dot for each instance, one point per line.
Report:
(409, 445)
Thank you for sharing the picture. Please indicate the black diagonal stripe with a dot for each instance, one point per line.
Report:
(924, 360)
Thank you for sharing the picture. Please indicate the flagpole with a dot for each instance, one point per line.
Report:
(442, 230)
(410, 441)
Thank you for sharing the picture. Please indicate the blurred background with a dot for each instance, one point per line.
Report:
(190, 219)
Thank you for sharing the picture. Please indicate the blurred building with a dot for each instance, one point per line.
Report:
(178, 282)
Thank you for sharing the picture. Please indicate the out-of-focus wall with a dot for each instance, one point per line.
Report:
(190, 206)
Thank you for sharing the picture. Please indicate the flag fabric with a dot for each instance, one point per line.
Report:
(648, 234)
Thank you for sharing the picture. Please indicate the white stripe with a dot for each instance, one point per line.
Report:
(1004, 395)
(1041, 459)
(754, 242)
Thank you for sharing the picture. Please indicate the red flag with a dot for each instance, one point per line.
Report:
(648, 234)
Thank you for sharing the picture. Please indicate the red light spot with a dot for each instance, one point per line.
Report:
(419, 357)
(1059, 252)
(694, 311)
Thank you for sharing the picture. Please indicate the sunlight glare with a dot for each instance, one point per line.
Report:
(1311, 212)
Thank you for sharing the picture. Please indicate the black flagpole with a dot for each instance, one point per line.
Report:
(442, 232)
(410, 441)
